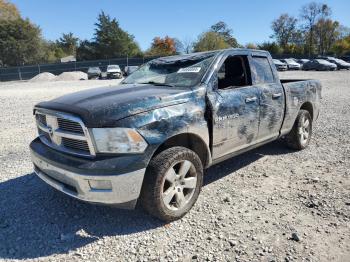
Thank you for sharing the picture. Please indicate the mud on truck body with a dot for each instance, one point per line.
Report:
(148, 140)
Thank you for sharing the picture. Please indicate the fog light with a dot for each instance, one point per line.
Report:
(100, 184)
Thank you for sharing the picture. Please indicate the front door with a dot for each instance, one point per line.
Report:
(235, 107)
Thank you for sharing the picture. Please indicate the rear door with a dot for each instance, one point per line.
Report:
(235, 106)
(271, 96)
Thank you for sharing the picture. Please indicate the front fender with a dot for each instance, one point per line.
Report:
(158, 125)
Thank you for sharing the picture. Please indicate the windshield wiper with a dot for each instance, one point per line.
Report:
(157, 84)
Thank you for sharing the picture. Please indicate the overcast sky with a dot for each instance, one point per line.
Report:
(184, 19)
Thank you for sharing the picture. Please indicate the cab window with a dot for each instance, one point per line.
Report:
(261, 70)
(234, 73)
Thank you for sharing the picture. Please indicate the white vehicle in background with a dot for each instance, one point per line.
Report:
(130, 69)
(341, 64)
(292, 65)
(114, 71)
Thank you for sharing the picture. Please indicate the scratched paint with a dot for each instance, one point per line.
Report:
(220, 118)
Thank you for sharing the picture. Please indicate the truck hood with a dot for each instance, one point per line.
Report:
(102, 107)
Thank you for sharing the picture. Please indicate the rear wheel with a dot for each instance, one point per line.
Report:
(299, 137)
(172, 183)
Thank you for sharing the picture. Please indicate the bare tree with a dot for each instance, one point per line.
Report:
(344, 31)
(310, 13)
(284, 29)
(327, 32)
(187, 43)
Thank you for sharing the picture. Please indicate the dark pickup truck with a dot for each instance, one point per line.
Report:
(147, 140)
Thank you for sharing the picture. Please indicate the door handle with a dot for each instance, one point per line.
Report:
(251, 99)
(277, 95)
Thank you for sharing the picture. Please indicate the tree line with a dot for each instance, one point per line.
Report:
(314, 32)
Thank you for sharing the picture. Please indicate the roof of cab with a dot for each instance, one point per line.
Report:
(203, 55)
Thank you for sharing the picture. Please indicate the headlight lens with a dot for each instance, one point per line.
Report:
(118, 140)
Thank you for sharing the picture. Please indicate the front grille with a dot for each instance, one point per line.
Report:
(64, 132)
(75, 144)
(41, 119)
(45, 135)
(70, 126)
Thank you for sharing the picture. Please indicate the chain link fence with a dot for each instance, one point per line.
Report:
(28, 72)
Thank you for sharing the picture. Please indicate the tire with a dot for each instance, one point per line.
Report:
(162, 198)
(300, 135)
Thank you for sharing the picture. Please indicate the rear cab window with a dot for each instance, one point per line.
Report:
(261, 70)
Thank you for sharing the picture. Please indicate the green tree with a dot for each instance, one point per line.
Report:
(272, 47)
(87, 50)
(342, 46)
(51, 52)
(225, 32)
(20, 42)
(8, 11)
(68, 43)
(210, 41)
(111, 40)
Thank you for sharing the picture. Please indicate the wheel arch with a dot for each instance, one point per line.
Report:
(308, 107)
(190, 141)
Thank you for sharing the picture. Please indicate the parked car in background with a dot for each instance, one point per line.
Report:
(320, 65)
(302, 61)
(130, 69)
(292, 65)
(94, 72)
(114, 71)
(148, 141)
(280, 66)
(346, 58)
(341, 64)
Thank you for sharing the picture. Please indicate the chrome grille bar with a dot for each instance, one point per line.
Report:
(69, 125)
(64, 132)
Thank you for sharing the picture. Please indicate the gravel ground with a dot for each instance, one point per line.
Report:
(270, 204)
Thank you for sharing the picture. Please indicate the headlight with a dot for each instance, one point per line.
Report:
(118, 140)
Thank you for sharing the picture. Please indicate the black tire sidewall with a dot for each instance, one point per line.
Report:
(155, 173)
(293, 138)
(305, 114)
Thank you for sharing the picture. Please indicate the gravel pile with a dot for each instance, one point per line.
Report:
(270, 204)
(43, 77)
(71, 76)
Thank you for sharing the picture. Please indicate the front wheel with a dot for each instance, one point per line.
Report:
(172, 183)
(300, 135)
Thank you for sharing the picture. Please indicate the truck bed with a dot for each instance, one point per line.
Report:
(300, 92)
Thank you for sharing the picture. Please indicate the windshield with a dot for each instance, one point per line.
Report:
(113, 67)
(94, 69)
(321, 61)
(291, 61)
(182, 71)
(337, 60)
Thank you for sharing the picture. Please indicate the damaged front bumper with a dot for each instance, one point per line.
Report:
(102, 186)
